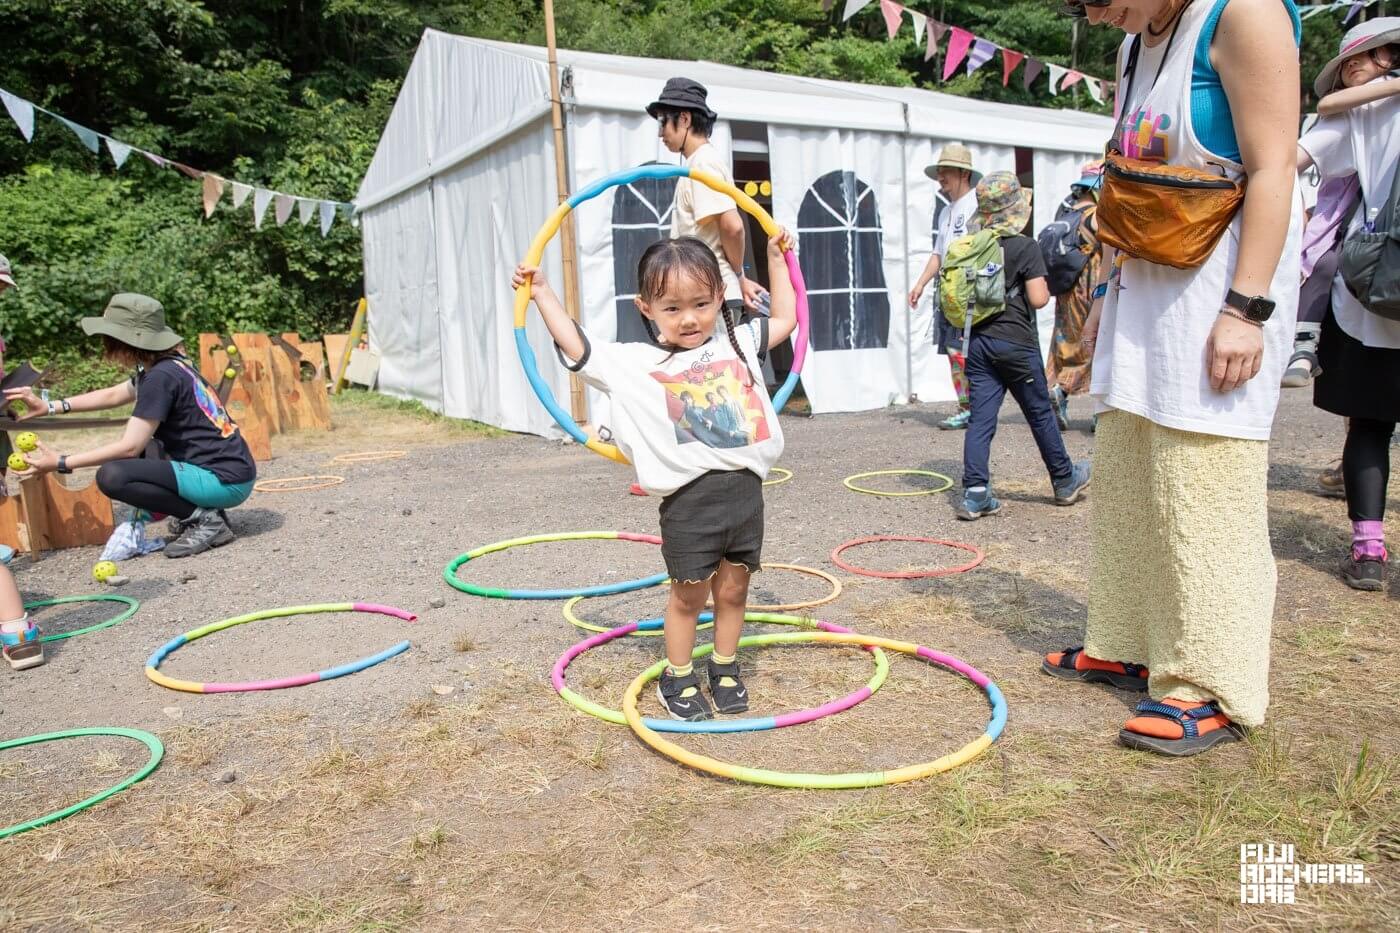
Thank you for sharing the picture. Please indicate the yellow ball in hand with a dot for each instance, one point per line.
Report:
(230, 373)
(26, 441)
(103, 569)
(17, 462)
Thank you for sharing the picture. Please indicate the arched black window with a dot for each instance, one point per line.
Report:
(641, 215)
(842, 262)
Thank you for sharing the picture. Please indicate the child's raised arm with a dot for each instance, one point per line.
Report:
(561, 327)
(782, 319)
(1348, 98)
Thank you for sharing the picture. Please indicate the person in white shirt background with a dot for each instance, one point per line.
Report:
(957, 185)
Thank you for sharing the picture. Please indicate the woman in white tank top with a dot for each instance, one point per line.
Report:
(1186, 378)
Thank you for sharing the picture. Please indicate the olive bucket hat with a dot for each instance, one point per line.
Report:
(135, 320)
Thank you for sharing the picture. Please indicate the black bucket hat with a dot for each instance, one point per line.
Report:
(682, 94)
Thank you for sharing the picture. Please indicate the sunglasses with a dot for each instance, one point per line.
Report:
(1075, 8)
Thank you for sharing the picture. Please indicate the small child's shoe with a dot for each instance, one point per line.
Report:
(726, 688)
(22, 649)
(682, 697)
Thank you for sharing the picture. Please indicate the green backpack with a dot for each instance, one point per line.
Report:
(972, 281)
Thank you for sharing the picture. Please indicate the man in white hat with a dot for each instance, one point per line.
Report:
(957, 184)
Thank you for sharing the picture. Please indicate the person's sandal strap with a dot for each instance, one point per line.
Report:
(1186, 718)
(674, 686)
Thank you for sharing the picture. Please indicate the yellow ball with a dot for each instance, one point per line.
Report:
(231, 350)
(230, 373)
(26, 441)
(17, 462)
(750, 188)
(103, 569)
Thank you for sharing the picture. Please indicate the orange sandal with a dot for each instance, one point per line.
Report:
(1074, 664)
(1177, 728)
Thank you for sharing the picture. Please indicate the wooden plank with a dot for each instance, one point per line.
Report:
(313, 384)
(239, 402)
(258, 377)
(34, 516)
(11, 526)
(75, 517)
(286, 384)
(335, 352)
(212, 359)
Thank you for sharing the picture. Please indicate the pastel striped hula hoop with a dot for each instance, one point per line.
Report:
(977, 558)
(326, 480)
(370, 456)
(626, 586)
(297, 680)
(130, 610)
(787, 475)
(849, 483)
(153, 745)
(751, 724)
(816, 780)
(551, 226)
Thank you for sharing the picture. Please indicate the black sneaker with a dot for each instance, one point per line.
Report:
(682, 697)
(1366, 574)
(727, 689)
(205, 529)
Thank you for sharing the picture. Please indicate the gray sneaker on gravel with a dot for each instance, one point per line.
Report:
(205, 529)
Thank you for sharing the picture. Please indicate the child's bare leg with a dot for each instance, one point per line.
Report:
(11, 605)
(682, 613)
(731, 592)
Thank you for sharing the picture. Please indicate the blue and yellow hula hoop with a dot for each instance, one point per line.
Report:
(551, 226)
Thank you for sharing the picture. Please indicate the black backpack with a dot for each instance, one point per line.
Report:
(1370, 263)
(1063, 247)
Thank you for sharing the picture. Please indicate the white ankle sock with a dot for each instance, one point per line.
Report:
(18, 625)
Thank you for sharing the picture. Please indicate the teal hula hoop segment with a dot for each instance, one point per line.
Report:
(130, 610)
(449, 573)
(546, 232)
(152, 744)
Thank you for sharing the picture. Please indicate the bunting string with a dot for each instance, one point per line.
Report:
(212, 186)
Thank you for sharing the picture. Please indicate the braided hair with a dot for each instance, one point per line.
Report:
(690, 256)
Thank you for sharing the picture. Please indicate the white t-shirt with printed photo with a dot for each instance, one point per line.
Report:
(953, 222)
(679, 415)
(697, 202)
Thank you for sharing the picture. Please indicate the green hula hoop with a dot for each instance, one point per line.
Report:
(131, 607)
(152, 743)
(572, 618)
(947, 483)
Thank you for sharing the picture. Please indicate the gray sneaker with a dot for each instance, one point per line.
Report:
(205, 529)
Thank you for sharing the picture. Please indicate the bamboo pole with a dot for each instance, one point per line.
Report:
(567, 243)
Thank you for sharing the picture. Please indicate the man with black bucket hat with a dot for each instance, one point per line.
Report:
(209, 467)
(686, 121)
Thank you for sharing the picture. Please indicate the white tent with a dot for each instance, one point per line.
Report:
(464, 176)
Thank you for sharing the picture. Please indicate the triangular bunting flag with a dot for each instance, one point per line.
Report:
(240, 193)
(1094, 88)
(936, 31)
(894, 16)
(920, 21)
(1057, 74)
(982, 52)
(1034, 67)
(1071, 78)
(1351, 14)
(22, 112)
(89, 137)
(1009, 61)
(261, 199)
(305, 207)
(184, 169)
(283, 207)
(853, 7)
(827, 5)
(118, 149)
(213, 190)
(958, 44)
(327, 216)
(153, 158)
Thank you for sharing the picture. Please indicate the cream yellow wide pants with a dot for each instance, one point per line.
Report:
(1182, 573)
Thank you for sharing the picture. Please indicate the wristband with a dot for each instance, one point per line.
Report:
(52, 410)
(1231, 312)
(1099, 291)
(66, 407)
(63, 464)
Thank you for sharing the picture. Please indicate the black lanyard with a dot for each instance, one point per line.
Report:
(1130, 72)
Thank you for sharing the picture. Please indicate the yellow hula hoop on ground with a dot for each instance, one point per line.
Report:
(370, 456)
(326, 480)
(849, 482)
(787, 475)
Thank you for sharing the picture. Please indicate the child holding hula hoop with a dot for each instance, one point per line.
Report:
(209, 468)
(710, 481)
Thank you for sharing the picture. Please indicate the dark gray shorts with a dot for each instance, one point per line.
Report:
(716, 516)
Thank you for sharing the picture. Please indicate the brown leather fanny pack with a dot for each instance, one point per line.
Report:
(1172, 215)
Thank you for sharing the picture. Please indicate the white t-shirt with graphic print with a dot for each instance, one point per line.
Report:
(679, 415)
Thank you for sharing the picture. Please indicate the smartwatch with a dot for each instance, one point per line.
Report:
(1257, 309)
(63, 464)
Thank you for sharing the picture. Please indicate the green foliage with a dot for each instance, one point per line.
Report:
(294, 95)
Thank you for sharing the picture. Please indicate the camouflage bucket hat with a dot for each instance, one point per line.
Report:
(135, 320)
(1002, 204)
